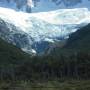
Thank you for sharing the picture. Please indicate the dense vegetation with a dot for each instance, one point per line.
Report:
(69, 62)
(11, 54)
(10, 57)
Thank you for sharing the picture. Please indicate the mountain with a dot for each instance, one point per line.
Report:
(19, 71)
(35, 32)
(14, 35)
(10, 54)
(78, 41)
(43, 5)
(47, 24)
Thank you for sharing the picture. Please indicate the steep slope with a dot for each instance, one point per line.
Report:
(9, 54)
(78, 41)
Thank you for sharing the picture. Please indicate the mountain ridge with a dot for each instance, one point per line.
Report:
(78, 42)
(43, 5)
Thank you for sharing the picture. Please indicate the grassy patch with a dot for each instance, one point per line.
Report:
(50, 85)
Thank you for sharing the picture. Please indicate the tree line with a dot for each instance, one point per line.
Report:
(75, 66)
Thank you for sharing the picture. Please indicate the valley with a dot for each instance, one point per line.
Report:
(45, 44)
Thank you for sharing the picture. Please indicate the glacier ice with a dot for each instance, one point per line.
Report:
(33, 32)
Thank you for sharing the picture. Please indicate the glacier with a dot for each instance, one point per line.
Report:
(35, 32)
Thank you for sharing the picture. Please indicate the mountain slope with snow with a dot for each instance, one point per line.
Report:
(34, 32)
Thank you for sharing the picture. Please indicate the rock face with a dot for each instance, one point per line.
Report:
(67, 2)
(14, 35)
(41, 5)
(23, 5)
